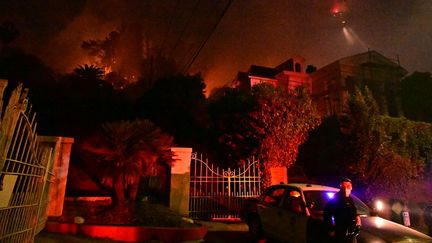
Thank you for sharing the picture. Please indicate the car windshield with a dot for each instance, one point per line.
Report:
(320, 198)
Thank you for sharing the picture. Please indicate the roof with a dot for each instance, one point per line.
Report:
(311, 187)
(370, 57)
(261, 71)
(364, 59)
(289, 65)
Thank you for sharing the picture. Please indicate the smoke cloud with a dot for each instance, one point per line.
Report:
(251, 32)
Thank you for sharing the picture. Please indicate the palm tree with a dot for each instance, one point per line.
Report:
(128, 150)
(88, 79)
(91, 72)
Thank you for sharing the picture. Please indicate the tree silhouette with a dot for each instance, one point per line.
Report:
(91, 72)
(8, 33)
(325, 154)
(229, 110)
(415, 95)
(105, 49)
(127, 151)
(177, 105)
(130, 58)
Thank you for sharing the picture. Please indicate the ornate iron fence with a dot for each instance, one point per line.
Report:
(25, 171)
(218, 193)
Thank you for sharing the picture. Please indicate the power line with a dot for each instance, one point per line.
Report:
(185, 27)
(170, 24)
(182, 63)
(208, 37)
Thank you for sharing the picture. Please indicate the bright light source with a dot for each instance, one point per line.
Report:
(330, 195)
(378, 222)
(335, 10)
(379, 205)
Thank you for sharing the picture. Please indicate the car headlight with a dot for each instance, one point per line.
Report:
(379, 205)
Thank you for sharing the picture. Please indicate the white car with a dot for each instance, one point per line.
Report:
(294, 213)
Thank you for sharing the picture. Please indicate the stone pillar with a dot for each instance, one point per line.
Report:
(180, 181)
(60, 158)
(279, 175)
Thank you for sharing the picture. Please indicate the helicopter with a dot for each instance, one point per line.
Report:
(339, 11)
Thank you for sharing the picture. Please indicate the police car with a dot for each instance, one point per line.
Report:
(294, 213)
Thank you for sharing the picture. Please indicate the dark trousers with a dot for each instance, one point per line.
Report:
(341, 240)
(341, 237)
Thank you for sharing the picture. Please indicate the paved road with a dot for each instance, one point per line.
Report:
(225, 232)
(211, 237)
(226, 237)
(218, 233)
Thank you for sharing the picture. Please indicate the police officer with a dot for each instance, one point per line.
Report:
(428, 218)
(340, 215)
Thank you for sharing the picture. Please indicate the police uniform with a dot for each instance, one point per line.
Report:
(340, 217)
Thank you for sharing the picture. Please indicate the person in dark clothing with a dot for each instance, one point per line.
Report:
(428, 218)
(340, 215)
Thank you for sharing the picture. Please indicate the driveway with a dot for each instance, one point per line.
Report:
(222, 232)
(229, 232)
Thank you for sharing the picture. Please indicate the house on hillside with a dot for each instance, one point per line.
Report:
(330, 85)
(288, 75)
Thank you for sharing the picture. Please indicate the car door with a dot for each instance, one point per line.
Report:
(292, 217)
(268, 209)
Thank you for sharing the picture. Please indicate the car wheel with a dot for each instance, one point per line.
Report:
(255, 229)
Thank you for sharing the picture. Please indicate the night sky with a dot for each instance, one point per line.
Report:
(251, 32)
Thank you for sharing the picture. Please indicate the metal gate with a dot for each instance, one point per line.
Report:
(218, 193)
(24, 171)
